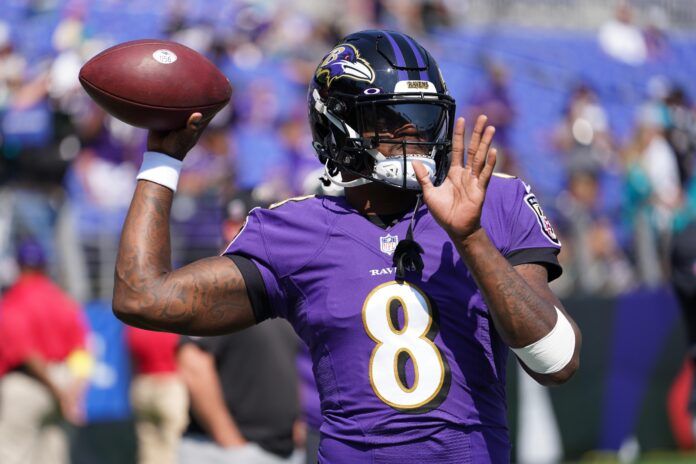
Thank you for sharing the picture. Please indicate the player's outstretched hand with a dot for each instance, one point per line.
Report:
(456, 204)
(177, 143)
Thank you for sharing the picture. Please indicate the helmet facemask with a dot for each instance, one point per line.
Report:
(376, 137)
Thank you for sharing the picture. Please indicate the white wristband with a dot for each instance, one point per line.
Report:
(161, 169)
(553, 352)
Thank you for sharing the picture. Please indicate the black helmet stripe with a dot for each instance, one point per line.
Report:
(398, 56)
(405, 52)
(419, 58)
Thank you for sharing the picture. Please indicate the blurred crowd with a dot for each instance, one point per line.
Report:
(617, 245)
(67, 170)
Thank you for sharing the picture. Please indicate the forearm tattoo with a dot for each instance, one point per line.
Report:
(520, 314)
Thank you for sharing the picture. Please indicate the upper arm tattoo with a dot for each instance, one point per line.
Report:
(208, 295)
(203, 298)
(536, 276)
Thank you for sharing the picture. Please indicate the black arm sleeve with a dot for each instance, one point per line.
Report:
(547, 257)
(255, 287)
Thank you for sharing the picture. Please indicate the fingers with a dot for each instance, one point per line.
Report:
(195, 127)
(176, 143)
(482, 150)
(458, 142)
(194, 122)
(423, 176)
(487, 171)
(475, 140)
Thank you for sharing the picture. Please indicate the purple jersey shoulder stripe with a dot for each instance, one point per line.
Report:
(399, 56)
(419, 57)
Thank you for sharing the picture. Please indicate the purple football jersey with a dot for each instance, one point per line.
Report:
(395, 363)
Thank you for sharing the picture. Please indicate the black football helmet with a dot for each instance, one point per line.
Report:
(380, 88)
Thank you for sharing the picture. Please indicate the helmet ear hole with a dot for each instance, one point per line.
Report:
(336, 106)
(321, 152)
(331, 146)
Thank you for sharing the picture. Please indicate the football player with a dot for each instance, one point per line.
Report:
(409, 291)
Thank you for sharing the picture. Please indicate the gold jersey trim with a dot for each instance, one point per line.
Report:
(502, 175)
(300, 198)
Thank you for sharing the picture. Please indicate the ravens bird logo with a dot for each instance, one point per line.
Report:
(344, 61)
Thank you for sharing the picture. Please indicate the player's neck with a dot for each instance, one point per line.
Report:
(375, 198)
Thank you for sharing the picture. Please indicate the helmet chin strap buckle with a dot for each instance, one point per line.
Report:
(391, 170)
(337, 179)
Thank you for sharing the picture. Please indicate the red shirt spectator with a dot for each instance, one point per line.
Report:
(152, 352)
(38, 318)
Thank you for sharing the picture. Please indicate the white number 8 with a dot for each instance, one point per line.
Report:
(394, 345)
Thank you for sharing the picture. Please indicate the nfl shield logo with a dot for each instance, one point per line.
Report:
(388, 244)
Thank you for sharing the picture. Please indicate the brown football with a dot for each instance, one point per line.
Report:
(155, 84)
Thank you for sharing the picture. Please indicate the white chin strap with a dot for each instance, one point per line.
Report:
(338, 179)
(389, 170)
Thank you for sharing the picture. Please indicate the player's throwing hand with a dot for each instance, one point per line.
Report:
(178, 142)
(456, 204)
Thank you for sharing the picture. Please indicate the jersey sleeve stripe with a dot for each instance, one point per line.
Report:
(255, 286)
(547, 257)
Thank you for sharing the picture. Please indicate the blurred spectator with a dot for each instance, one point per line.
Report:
(209, 168)
(338, 19)
(260, 161)
(681, 131)
(583, 135)
(417, 17)
(655, 33)
(594, 262)
(12, 66)
(244, 398)
(43, 365)
(158, 395)
(435, 15)
(99, 183)
(101, 171)
(621, 39)
(32, 161)
(207, 178)
(400, 16)
(683, 266)
(297, 144)
(493, 99)
(235, 214)
(652, 192)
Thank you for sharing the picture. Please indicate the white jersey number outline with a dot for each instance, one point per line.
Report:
(394, 345)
